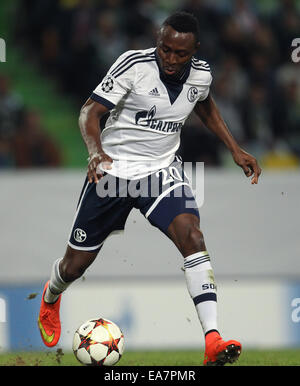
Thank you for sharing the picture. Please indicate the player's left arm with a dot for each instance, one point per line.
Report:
(208, 112)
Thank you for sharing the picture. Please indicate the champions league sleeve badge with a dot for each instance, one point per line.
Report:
(107, 84)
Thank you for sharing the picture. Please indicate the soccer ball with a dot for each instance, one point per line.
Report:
(98, 342)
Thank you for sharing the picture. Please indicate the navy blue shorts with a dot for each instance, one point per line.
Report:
(103, 208)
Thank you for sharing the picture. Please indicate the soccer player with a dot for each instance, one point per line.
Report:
(149, 94)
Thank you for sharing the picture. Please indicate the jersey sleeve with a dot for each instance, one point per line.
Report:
(206, 87)
(202, 78)
(116, 84)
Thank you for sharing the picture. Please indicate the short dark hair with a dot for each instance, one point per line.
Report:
(183, 22)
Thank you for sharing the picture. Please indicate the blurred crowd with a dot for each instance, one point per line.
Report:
(24, 142)
(247, 44)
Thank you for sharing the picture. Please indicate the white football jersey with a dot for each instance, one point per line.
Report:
(147, 111)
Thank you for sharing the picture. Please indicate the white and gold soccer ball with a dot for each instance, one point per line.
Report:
(98, 342)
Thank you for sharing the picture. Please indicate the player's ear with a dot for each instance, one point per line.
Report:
(158, 35)
(196, 48)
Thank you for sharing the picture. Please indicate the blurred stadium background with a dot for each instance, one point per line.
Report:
(57, 51)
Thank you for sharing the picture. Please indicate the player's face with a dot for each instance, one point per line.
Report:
(175, 49)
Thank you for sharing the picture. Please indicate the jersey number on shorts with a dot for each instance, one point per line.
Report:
(173, 175)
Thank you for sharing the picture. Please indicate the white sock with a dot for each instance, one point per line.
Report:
(56, 285)
(202, 288)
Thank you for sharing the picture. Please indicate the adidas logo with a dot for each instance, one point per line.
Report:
(154, 92)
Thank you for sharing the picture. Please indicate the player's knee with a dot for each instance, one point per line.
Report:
(186, 234)
(194, 241)
(73, 265)
(70, 271)
(196, 238)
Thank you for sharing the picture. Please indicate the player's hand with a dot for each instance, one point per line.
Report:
(97, 160)
(248, 163)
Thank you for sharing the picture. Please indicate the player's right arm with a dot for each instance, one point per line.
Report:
(89, 118)
(113, 87)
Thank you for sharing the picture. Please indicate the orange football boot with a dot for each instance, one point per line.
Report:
(218, 352)
(48, 321)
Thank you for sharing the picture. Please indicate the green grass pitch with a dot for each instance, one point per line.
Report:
(57, 357)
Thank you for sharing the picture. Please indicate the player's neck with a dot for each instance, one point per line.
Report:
(179, 77)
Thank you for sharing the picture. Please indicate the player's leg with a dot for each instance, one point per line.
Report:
(49, 320)
(185, 232)
(174, 211)
(95, 219)
(64, 272)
